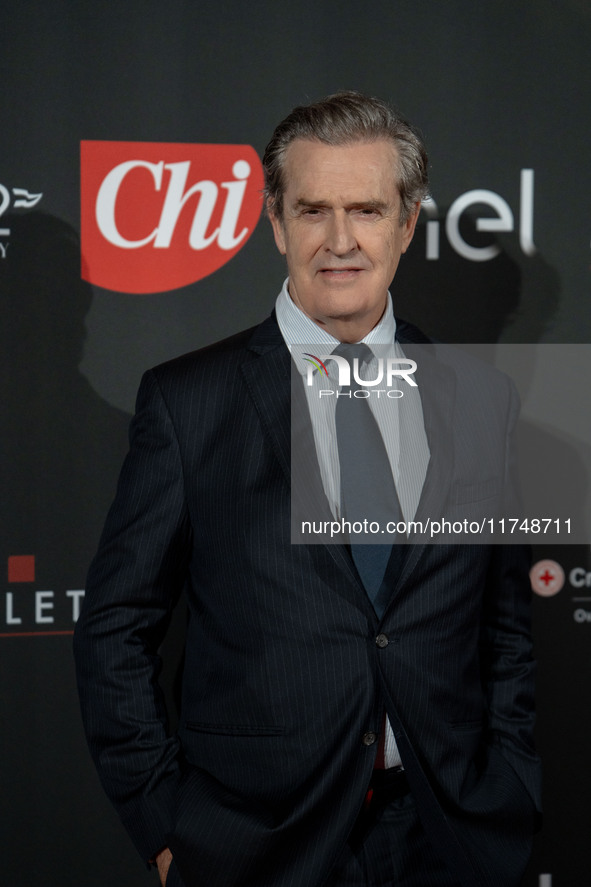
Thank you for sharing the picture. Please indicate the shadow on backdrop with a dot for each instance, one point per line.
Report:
(61, 450)
(510, 298)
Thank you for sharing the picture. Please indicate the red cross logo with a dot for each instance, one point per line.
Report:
(547, 578)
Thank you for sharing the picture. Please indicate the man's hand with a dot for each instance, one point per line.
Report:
(163, 860)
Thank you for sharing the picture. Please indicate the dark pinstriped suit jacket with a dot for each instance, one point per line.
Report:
(283, 678)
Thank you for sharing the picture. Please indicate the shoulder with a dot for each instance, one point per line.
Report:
(220, 357)
(210, 375)
(469, 364)
(211, 356)
(409, 333)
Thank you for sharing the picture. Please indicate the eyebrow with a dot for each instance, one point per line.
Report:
(302, 203)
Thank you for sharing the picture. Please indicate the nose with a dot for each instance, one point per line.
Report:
(340, 237)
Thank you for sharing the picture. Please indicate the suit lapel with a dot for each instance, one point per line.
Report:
(268, 378)
(437, 389)
(437, 392)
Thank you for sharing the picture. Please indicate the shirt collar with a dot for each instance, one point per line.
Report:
(299, 329)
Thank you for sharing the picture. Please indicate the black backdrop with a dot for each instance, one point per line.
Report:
(496, 88)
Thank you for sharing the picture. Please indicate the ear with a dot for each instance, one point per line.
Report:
(408, 227)
(277, 225)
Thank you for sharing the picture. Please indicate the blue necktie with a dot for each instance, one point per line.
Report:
(368, 490)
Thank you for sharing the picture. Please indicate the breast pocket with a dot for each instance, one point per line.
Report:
(464, 494)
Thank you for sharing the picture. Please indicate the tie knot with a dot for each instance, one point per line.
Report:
(360, 350)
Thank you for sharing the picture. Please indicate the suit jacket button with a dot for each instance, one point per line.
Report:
(382, 641)
(369, 738)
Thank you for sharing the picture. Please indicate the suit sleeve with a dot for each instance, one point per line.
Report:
(508, 664)
(133, 584)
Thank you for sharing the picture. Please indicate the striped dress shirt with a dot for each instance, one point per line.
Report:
(301, 335)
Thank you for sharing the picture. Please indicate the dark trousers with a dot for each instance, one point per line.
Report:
(389, 848)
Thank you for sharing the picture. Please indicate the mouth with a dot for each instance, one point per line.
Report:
(340, 273)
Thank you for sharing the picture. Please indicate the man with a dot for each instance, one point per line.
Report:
(327, 736)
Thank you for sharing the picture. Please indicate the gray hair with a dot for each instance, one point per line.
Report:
(341, 119)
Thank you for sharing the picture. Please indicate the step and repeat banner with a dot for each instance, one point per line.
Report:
(131, 231)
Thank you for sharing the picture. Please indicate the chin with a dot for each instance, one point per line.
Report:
(352, 312)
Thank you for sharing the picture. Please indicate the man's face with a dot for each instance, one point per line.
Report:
(341, 232)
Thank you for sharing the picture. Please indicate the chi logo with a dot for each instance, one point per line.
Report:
(158, 216)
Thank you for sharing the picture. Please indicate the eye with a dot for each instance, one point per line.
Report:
(312, 211)
(368, 211)
(312, 214)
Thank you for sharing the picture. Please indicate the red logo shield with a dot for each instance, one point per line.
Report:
(158, 216)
